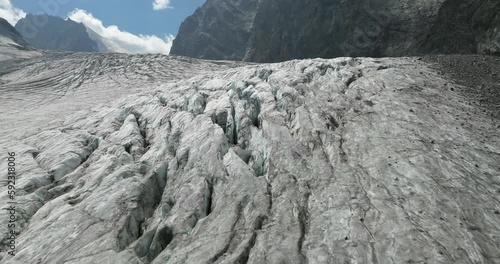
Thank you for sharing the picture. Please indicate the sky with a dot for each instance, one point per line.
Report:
(138, 26)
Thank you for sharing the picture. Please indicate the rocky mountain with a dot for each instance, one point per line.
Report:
(54, 33)
(279, 30)
(218, 30)
(160, 159)
(12, 45)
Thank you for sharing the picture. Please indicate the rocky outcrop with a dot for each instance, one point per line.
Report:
(218, 30)
(465, 26)
(348, 160)
(282, 29)
(54, 33)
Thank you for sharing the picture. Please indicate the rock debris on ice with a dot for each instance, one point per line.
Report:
(307, 161)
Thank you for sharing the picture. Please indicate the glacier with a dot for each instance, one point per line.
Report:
(165, 159)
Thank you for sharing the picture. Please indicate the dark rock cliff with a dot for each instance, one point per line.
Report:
(465, 26)
(278, 30)
(218, 30)
(54, 33)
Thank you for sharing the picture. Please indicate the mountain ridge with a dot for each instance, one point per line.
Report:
(282, 30)
(54, 33)
(230, 34)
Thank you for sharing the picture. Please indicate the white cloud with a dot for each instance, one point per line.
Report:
(125, 40)
(10, 13)
(161, 4)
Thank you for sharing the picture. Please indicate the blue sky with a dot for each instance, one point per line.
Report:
(135, 26)
(134, 16)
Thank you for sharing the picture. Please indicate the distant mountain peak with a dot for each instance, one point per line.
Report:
(48, 32)
(55, 33)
